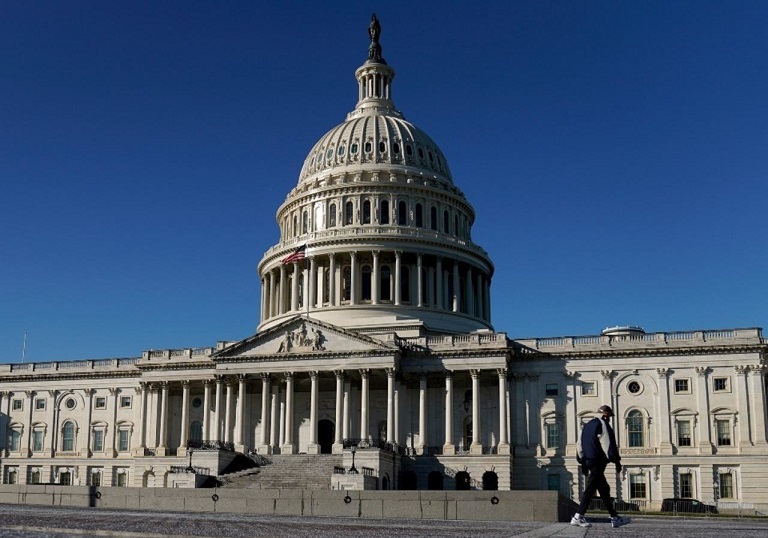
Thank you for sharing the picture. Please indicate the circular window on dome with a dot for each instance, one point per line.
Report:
(634, 387)
(421, 153)
(353, 148)
(368, 147)
(197, 402)
(70, 403)
(396, 147)
(341, 150)
(382, 147)
(409, 149)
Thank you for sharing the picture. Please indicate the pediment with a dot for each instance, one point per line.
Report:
(302, 336)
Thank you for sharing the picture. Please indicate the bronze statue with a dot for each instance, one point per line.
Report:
(374, 49)
(374, 30)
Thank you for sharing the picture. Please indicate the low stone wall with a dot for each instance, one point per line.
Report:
(447, 505)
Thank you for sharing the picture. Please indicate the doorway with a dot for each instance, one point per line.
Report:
(326, 431)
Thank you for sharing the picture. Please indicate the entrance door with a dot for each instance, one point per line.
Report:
(326, 432)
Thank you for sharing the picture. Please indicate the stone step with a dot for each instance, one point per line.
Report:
(288, 472)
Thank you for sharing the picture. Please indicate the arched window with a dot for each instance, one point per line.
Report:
(635, 430)
(349, 210)
(304, 222)
(346, 284)
(490, 481)
(462, 480)
(196, 432)
(433, 218)
(402, 213)
(405, 284)
(332, 216)
(386, 283)
(68, 437)
(445, 221)
(384, 217)
(366, 212)
(366, 283)
(14, 440)
(419, 216)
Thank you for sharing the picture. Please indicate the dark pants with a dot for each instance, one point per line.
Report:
(596, 482)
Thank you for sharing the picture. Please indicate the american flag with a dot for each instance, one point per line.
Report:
(297, 255)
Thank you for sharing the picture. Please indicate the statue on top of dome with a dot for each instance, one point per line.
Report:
(374, 49)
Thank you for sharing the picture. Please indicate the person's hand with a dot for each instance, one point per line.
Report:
(618, 467)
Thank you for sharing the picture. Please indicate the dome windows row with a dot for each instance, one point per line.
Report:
(372, 211)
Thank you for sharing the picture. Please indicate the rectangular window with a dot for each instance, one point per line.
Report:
(637, 486)
(723, 432)
(125, 401)
(726, 486)
(98, 440)
(40, 404)
(553, 435)
(588, 388)
(684, 433)
(14, 441)
(123, 440)
(122, 479)
(686, 485)
(682, 386)
(65, 478)
(100, 402)
(552, 389)
(720, 384)
(34, 475)
(38, 440)
(12, 475)
(96, 478)
(17, 405)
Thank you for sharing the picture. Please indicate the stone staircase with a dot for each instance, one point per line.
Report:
(298, 471)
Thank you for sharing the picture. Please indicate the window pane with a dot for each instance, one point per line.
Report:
(553, 435)
(637, 486)
(686, 485)
(123, 437)
(726, 485)
(68, 437)
(684, 433)
(635, 429)
(98, 440)
(37, 440)
(724, 432)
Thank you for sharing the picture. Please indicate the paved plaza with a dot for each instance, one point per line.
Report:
(51, 522)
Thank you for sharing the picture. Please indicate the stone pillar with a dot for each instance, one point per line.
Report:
(313, 447)
(431, 286)
(85, 440)
(312, 287)
(353, 271)
(376, 277)
(263, 434)
(143, 390)
(332, 280)
(470, 293)
(287, 443)
(216, 428)
(163, 444)
(266, 296)
(345, 422)
(295, 288)
(503, 446)
(390, 404)
(456, 290)
(476, 447)
(397, 416)
(228, 413)
(364, 398)
(480, 311)
(398, 274)
(184, 418)
(273, 438)
(663, 412)
(449, 449)
(439, 292)
(26, 440)
(239, 413)
(282, 292)
(50, 435)
(422, 447)
(338, 440)
(702, 399)
(742, 406)
(419, 280)
(759, 412)
(207, 410)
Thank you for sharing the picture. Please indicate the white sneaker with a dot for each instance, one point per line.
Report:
(618, 521)
(580, 521)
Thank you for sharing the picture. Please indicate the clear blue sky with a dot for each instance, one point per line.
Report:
(615, 153)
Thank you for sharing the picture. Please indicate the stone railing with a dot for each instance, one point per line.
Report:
(461, 340)
(169, 354)
(50, 367)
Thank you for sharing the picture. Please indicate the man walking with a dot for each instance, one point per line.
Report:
(596, 449)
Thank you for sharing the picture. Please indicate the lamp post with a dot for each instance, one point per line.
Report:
(190, 469)
(353, 469)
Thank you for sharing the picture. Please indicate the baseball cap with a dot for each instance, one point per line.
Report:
(605, 409)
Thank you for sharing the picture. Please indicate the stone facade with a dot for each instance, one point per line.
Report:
(376, 334)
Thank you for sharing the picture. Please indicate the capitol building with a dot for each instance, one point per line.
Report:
(376, 352)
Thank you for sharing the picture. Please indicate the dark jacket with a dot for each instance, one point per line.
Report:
(597, 444)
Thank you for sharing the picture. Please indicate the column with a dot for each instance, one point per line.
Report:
(163, 443)
(456, 290)
(397, 417)
(51, 433)
(206, 410)
(338, 440)
(439, 277)
(376, 277)
(313, 447)
(702, 400)
(422, 447)
(470, 293)
(364, 396)
(390, 405)
(216, 429)
(26, 441)
(419, 280)
(287, 446)
(487, 299)
(282, 292)
(228, 413)
(266, 296)
(273, 439)
(663, 412)
(353, 278)
(265, 390)
(84, 441)
(476, 447)
(332, 279)
(184, 418)
(743, 412)
(239, 413)
(312, 287)
(480, 311)
(295, 288)
(449, 449)
(345, 423)
(759, 411)
(431, 286)
(142, 390)
(398, 271)
(503, 446)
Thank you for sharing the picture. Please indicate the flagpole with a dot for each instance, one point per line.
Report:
(24, 348)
